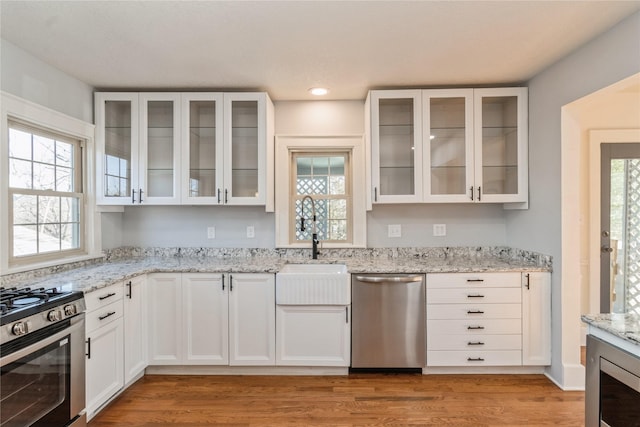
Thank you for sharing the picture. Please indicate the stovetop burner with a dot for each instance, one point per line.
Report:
(18, 303)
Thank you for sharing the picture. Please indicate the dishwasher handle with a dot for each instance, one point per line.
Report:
(392, 279)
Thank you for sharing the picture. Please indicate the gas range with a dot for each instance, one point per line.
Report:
(26, 310)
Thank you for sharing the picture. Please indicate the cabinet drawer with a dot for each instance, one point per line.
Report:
(477, 280)
(104, 315)
(474, 358)
(474, 311)
(474, 295)
(474, 326)
(103, 297)
(474, 342)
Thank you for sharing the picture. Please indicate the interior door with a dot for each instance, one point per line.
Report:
(620, 228)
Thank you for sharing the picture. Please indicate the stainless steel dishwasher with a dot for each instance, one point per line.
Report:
(388, 325)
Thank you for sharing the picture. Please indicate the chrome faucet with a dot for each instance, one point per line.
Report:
(314, 235)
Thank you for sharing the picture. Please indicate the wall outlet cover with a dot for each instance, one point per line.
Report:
(211, 232)
(439, 230)
(395, 230)
(251, 232)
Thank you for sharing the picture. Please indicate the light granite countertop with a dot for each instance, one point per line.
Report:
(93, 277)
(625, 326)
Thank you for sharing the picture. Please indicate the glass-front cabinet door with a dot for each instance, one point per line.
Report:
(448, 145)
(396, 146)
(159, 162)
(202, 153)
(244, 148)
(116, 147)
(500, 134)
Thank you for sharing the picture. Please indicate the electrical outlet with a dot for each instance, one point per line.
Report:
(211, 232)
(395, 230)
(439, 230)
(251, 232)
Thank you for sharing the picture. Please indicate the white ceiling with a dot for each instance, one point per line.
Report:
(286, 47)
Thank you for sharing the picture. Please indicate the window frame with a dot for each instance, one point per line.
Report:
(294, 196)
(18, 110)
(78, 193)
(355, 144)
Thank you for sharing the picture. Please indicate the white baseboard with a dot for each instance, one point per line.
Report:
(244, 370)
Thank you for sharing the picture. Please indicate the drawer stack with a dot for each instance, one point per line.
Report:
(474, 319)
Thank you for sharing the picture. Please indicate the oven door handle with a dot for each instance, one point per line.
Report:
(76, 323)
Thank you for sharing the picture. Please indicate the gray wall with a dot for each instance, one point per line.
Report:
(601, 62)
(29, 78)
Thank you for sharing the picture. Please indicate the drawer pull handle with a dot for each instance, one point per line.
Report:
(475, 296)
(475, 312)
(475, 327)
(106, 296)
(475, 280)
(475, 343)
(475, 359)
(88, 353)
(111, 313)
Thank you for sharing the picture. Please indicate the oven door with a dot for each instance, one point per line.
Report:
(42, 381)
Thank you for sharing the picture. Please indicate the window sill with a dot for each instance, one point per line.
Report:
(52, 263)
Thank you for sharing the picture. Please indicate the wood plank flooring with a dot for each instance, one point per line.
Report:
(354, 400)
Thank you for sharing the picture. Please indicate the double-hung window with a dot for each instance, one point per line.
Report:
(46, 199)
(326, 178)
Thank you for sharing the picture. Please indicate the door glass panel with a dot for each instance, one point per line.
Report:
(396, 136)
(625, 236)
(447, 145)
(160, 149)
(500, 145)
(117, 160)
(244, 149)
(202, 149)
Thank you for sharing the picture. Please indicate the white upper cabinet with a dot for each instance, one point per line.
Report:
(396, 146)
(202, 160)
(500, 134)
(245, 148)
(159, 157)
(118, 140)
(449, 145)
(189, 148)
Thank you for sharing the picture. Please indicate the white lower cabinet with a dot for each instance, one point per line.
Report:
(105, 351)
(488, 319)
(211, 319)
(536, 318)
(309, 335)
(252, 319)
(135, 328)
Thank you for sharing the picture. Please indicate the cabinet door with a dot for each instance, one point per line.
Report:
(135, 329)
(311, 335)
(104, 365)
(396, 146)
(500, 117)
(536, 319)
(245, 153)
(202, 153)
(159, 162)
(448, 145)
(252, 319)
(206, 319)
(117, 141)
(165, 319)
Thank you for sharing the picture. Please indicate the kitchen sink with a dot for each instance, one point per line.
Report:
(313, 284)
(315, 269)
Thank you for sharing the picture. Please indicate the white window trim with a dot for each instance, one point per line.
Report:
(13, 107)
(287, 143)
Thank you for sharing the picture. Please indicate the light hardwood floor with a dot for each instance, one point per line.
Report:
(356, 400)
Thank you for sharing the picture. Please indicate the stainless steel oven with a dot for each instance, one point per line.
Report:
(612, 397)
(43, 367)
